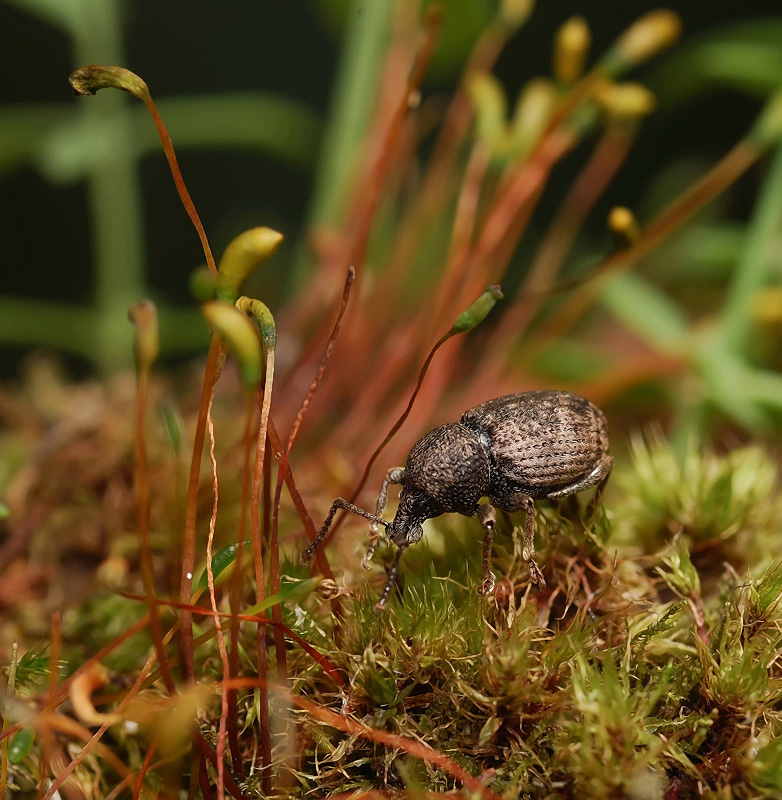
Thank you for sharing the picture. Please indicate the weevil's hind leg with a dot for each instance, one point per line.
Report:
(393, 573)
(597, 497)
(487, 516)
(392, 476)
(337, 504)
(598, 478)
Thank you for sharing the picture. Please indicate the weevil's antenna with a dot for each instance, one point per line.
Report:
(338, 503)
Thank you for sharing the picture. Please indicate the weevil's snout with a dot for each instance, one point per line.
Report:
(405, 531)
(415, 508)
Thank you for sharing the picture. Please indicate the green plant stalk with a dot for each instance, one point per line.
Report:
(351, 107)
(117, 235)
(114, 195)
(751, 271)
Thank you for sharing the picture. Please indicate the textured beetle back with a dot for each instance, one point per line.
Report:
(539, 440)
(451, 466)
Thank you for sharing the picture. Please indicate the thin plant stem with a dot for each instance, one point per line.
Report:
(274, 556)
(143, 505)
(260, 578)
(394, 428)
(213, 598)
(360, 217)
(212, 371)
(179, 181)
(145, 767)
(609, 154)
(236, 579)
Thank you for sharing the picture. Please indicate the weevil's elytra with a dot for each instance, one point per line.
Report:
(513, 450)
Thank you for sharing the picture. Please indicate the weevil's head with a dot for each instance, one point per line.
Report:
(447, 471)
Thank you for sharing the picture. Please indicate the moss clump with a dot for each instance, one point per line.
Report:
(629, 677)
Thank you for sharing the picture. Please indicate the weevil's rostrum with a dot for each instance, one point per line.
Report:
(512, 450)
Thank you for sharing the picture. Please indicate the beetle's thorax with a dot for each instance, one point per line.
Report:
(448, 470)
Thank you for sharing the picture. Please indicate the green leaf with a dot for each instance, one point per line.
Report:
(647, 312)
(746, 56)
(291, 592)
(768, 772)
(222, 559)
(21, 744)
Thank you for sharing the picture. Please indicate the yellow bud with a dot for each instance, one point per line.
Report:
(767, 307)
(260, 312)
(240, 336)
(515, 12)
(646, 37)
(147, 341)
(623, 226)
(571, 47)
(491, 108)
(625, 100)
(532, 112)
(241, 257)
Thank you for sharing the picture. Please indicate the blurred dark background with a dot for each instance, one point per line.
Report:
(290, 48)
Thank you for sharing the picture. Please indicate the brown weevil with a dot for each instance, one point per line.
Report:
(513, 450)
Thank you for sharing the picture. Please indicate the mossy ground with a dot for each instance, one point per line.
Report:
(648, 668)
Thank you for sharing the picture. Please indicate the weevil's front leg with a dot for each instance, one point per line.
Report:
(337, 504)
(393, 573)
(392, 476)
(487, 516)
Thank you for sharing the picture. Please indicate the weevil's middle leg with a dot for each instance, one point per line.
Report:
(337, 504)
(487, 516)
(516, 502)
(394, 475)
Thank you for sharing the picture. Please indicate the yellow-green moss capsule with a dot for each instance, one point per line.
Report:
(645, 38)
(241, 257)
(88, 80)
(240, 336)
(571, 48)
(146, 346)
(623, 226)
(263, 318)
(478, 310)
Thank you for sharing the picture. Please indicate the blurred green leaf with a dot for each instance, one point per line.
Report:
(745, 56)
(255, 121)
(647, 312)
(463, 21)
(21, 744)
(23, 128)
(768, 765)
